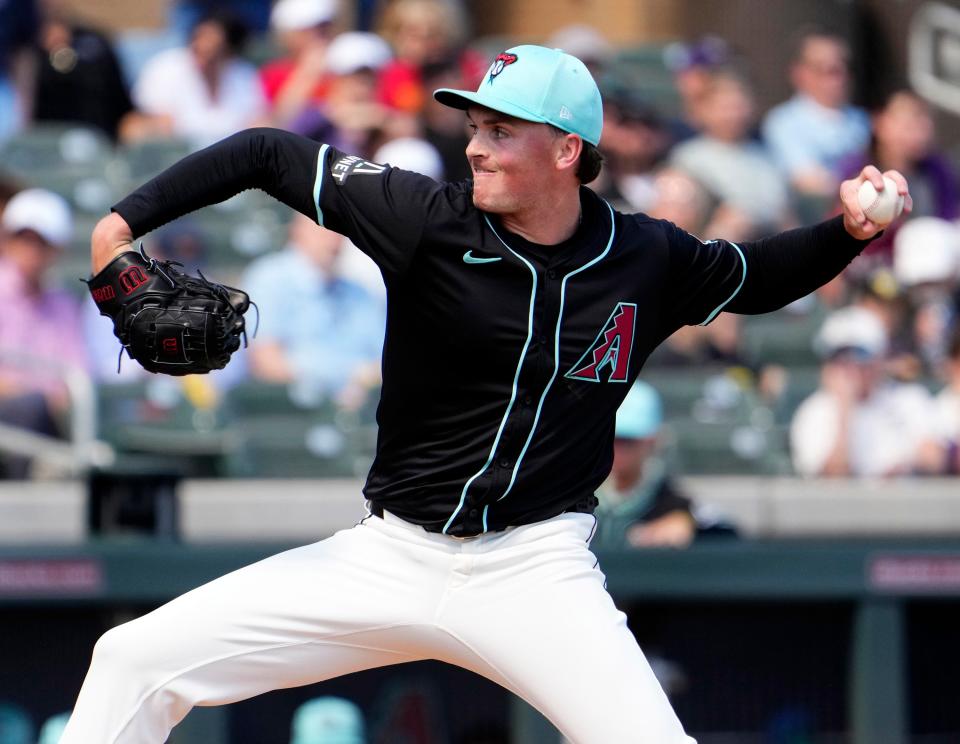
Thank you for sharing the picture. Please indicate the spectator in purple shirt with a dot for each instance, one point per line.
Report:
(903, 138)
(40, 334)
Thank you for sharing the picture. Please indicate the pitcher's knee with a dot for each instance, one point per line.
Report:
(124, 652)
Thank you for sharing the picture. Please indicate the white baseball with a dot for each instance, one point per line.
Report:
(881, 207)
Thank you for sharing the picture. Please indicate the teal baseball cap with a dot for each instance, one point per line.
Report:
(328, 720)
(641, 413)
(537, 84)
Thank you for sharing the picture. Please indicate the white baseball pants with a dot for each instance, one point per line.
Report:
(526, 608)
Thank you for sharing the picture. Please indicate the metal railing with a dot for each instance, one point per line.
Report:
(81, 450)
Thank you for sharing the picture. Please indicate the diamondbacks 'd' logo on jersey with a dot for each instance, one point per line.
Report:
(350, 165)
(612, 347)
(503, 59)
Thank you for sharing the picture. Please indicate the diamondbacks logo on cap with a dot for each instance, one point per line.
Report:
(503, 59)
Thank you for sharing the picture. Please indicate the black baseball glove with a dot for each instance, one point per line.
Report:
(168, 321)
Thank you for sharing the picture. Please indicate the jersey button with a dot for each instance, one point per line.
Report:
(504, 462)
(528, 400)
(474, 513)
(551, 274)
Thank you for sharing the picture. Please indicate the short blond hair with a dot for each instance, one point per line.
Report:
(446, 15)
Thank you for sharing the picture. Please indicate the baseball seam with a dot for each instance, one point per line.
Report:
(874, 203)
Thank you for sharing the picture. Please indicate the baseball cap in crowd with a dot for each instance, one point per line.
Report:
(538, 84)
(15, 725)
(584, 42)
(296, 15)
(707, 51)
(641, 413)
(926, 249)
(328, 720)
(353, 51)
(412, 154)
(53, 728)
(853, 330)
(42, 211)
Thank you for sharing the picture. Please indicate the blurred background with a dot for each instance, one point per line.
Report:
(782, 525)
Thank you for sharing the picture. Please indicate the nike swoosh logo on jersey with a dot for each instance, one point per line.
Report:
(469, 258)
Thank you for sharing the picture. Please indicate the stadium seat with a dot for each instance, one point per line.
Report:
(782, 337)
(143, 160)
(54, 146)
(286, 433)
(73, 161)
(642, 68)
(715, 424)
(160, 417)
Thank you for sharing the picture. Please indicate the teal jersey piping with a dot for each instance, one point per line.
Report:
(556, 350)
(513, 392)
(318, 184)
(722, 305)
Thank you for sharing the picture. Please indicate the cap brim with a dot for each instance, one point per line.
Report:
(850, 351)
(464, 99)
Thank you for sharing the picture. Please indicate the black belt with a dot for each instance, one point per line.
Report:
(586, 505)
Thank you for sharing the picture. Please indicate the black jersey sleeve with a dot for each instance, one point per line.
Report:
(792, 264)
(387, 212)
(277, 162)
(704, 276)
(707, 277)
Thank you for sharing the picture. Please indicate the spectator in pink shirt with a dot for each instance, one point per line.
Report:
(40, 332)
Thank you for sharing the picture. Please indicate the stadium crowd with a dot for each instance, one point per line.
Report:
(861, 379)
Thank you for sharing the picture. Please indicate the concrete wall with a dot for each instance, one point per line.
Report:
(281, 510)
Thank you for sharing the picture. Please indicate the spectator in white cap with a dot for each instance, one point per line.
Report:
(40, 332)
(350, 116)
(926, 251)
(926, 263)
(858, 423)
(640, 506)
(948, 405)
(412, 154)
(304, 30)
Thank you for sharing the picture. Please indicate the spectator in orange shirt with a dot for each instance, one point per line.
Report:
(904, 138)
(422, 32)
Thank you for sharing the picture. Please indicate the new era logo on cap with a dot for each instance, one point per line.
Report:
(537, 84)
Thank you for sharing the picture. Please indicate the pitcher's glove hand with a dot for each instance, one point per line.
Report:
(168, 321)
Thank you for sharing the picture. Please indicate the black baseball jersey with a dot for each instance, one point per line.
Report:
(504, 361)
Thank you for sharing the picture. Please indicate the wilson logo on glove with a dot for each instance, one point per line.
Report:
(176, 324)
(131, 278)
(102, 294)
